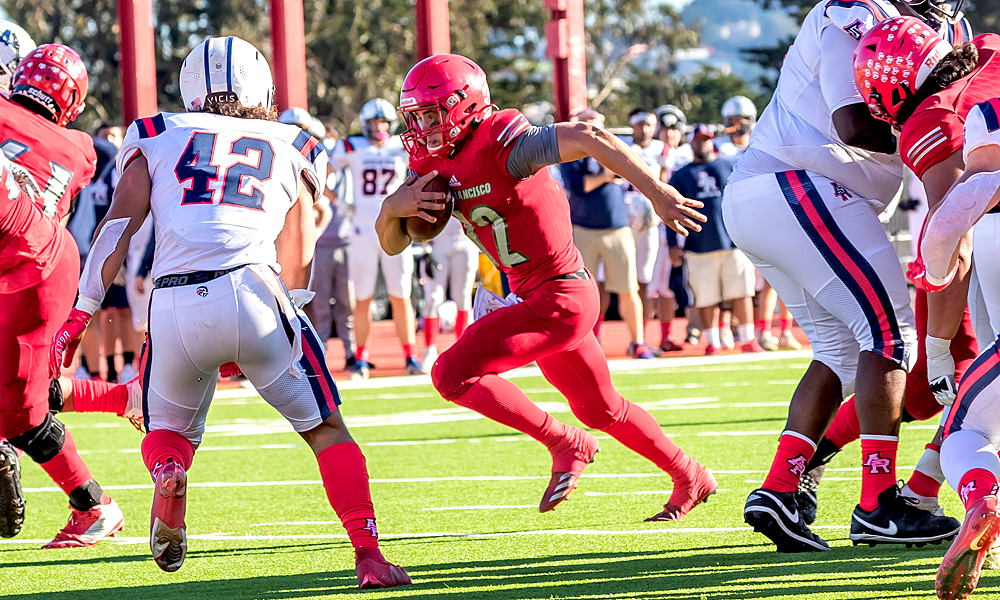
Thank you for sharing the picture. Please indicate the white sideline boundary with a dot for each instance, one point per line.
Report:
(616, 366)
(223, 537)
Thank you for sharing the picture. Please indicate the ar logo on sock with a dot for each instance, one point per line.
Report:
(798, 465)
(370, 526)
(966, 490)
(877, 464)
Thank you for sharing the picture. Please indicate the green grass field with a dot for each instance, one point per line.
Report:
(457, 495)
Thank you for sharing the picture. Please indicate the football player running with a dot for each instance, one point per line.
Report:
(377, 162)
(943, 101)
(819, 169)
(41, 266)
(217, 294)
(516, 213)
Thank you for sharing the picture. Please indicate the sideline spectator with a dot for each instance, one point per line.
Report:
(717, 270)
(601, 231)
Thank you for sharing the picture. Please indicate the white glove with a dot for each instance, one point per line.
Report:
(941, 370)
(301, 297)
(486, 302)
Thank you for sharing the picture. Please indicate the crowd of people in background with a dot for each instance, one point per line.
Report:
(645, 271)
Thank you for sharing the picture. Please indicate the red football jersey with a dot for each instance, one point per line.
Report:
(60, 160)
(30, 242)
(523, 225)
(934, 131)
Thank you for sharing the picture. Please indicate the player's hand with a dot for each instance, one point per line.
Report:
(941, 370)
(677, 211)
(410, 200)
(677, 256)
(140, 285)
(917, 273)
(66, 340)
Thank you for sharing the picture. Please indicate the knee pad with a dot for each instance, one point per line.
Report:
(44, 442)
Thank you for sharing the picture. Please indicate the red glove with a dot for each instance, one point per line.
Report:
(917, 273)
(66, 340)
(230, 369)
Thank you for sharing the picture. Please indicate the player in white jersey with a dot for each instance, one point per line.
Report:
(231, 193)
(819, 169)
(377, 162)
(642, 219)
(15, 43)
(452, 269)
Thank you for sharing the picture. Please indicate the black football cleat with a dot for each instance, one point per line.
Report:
(11, 498)
(898, 520)
(777, 516)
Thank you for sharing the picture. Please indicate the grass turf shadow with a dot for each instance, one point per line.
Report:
(715, 573)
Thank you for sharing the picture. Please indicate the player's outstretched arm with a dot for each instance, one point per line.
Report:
(296, 242)
(410, 200)
(579, 140)
(128, 210)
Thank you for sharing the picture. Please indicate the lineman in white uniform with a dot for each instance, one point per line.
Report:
(231, 199)
(641, 216)
(835, 269)
(457, 260)
(377, 162)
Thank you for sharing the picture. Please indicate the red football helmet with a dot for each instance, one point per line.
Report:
(456, 87)
(893, 60)
(54, 77)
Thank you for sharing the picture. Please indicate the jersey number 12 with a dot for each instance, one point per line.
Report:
(195, 165)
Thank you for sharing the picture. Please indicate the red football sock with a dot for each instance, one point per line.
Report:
(976, 485)
(432, 325)
(90, 395)
(924, 485)
(665, 329)
(640, 432)
(790, 460)
(345, 479)
(758, 326)
(162, 444)
(786, 325)
(597, 326)
(66, 468)
(845, 427)
(502, 401)
(461, 322)
(407, 350)
(878, 467)
(362, 353)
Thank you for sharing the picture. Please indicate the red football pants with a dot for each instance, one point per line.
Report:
(553, 327)
(28, 320)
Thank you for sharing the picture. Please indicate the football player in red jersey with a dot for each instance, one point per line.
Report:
(513, 209)
(39, 265)
(943, 102)
(47, 92)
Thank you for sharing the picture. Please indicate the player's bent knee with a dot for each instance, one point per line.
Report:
(43, 442)
(447, 380)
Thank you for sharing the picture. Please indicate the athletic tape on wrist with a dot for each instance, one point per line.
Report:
(91, 280)
(958, 212)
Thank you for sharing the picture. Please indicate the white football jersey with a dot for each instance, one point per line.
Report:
(221, 186)
(796, 130)
(376, 172)
(673, 159)
(652, 155)
(982, 127)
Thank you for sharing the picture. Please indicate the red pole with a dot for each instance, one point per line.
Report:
(433, 31)
(289, 40)
(567, 49)
(138, 66)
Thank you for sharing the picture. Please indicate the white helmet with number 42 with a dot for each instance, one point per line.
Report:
(226, 69)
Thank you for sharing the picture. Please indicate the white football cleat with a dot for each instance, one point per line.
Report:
(86, 528)
(430, 356)
(127, 374)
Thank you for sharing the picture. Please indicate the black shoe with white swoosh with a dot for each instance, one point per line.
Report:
(776, 515)
(897, 520)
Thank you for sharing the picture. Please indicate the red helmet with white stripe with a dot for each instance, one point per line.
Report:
(456, 88)
(893, 60)
(54, 77)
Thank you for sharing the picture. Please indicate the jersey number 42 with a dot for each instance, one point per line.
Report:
(195, 165)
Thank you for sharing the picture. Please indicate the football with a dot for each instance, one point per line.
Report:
(420, 230)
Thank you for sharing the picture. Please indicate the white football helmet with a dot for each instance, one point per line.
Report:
(226, 69)
(377, 108)
(739, 106)
(15, 43)
(300, 117)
